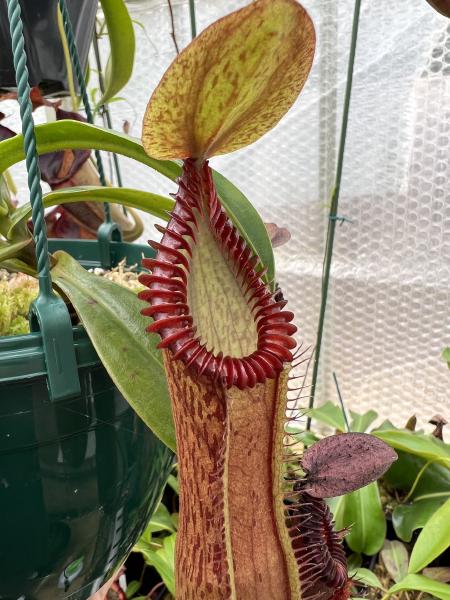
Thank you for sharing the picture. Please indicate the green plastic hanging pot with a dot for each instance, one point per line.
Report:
(46, 62)
(79, 478)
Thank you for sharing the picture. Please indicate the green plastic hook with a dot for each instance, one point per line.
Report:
(108, 232)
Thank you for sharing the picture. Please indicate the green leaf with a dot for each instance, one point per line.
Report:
(117, 99)
(402, 474)
(111, 316)
(337, 507)
(247, 219)
(122, 42)
(161, 520)
(446, 356)
(146, 201)
(173, 482)
(406, 518)
(422, 584)
(18, 266)
(395, 558)
(386, 424)
(330, 414)
(163, 559)
(417, 443)
(68, 134)
(363, 511)
(362, 422)
(366, 577)
(11, 249)
(307, 438)
(354, 561)
(132, 588)
(7, 208)
(433, 540)
(233, 83)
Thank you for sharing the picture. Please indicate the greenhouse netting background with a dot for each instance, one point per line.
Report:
(389, 300)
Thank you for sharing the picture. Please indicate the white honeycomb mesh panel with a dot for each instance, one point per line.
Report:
(388, 310)
(388, 307)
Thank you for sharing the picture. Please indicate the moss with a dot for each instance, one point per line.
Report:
(16, 294)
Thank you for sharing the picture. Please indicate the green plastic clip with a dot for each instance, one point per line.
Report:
(49, 315)
(108, 232)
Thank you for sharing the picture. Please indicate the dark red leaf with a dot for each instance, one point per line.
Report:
(442, 6)
(6, 133)
(343, 463)
(58, 167)
(8, 96)
(37, 99)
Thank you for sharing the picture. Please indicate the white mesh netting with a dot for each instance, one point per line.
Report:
(388, 310)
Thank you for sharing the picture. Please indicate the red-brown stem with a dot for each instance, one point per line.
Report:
(199, 415)
(260, 567)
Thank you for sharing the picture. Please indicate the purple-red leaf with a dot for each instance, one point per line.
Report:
(442, 6)
(5, 132)
(58, 167)
(343, 463)
(278, 235)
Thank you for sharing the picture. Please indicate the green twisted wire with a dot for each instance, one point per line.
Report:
(68, 30)
(29, 143)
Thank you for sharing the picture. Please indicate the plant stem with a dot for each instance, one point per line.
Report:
(341, 402)
(334, 205)
(435, 495)
(172, 21)
(417, 479)
(154, 589)
(193, 19)
(11, 184)
(67, 60)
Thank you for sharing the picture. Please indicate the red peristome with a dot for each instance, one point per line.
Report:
(167, 294)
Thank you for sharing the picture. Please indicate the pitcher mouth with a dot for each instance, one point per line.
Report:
(234, 330)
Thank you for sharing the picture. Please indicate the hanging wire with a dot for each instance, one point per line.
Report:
(29, 144)
(83, 91)
(333, 215)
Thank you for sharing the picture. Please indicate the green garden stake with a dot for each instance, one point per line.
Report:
(48, 313)
(109, 231)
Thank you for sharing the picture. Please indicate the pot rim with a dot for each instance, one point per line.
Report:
(22, 356)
